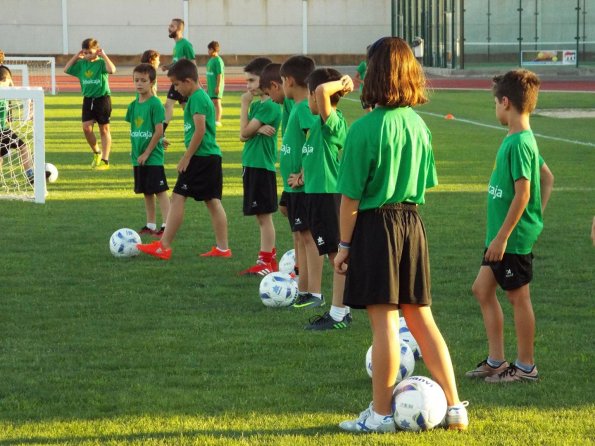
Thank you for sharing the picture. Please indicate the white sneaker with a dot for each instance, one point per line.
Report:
(362, 424)
(456, 416)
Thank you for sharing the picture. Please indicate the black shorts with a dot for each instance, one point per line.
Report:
(174, 95)
(97, 109)
(513, 271)
(296, 211)
(203, 179)
(283, 199)
(149, 180)
(9, 140)
(389, 261)
(322, 211)
(260, 191)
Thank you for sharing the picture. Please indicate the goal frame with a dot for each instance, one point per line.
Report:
(36, 95)
(20, 60)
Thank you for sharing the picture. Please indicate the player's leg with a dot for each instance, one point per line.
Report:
(163, 200)
(524, 323)
(106, 142)
(484, 290)
(175, 218)
(218, 221)
(267, 232)
(150, 211)
(90, 135)
(302, 262)
(103, 113)
(315, 263)
(218, 110)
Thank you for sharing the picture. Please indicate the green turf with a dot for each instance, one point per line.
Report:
(98, 350)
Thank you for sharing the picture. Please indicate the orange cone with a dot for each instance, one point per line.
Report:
(449, 116)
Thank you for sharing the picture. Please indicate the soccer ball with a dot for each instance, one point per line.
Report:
(406, 336)
(123, 242)
(51, 173)
(406, 362)
(278, 290)
(287, 262)
(419, 404)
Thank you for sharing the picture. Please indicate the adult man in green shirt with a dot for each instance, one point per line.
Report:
(182, 50)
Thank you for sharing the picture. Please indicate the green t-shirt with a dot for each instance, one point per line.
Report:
(3, 114)
(215, 67)
(200, 103)
(287, 106)
(517, 157)
(361, 69)
(387, 159)
(261, 150)
(320, 154)
(93, 77)
(143, 117)
(183, 50)
(299, 122)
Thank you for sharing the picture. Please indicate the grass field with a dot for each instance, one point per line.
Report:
(102, 351)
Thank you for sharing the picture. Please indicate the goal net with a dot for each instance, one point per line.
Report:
(22, 144)
(33, 72)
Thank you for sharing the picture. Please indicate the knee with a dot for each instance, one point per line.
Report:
(88, 129)
(104, 129)
(480, 293)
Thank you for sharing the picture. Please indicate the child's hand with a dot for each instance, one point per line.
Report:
(165, 143)
(341, 261)
(142, 159)
(100, 52)
(495, 251)
(183, 164)
(347, 84)
(247, 97)
(266, 130)
(295, 180)
(81, 54)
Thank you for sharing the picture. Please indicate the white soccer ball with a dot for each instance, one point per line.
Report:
(123, 242)
(278, 290)
(51, 173)
(287, 262)
(406, 362)
(419, 404)
(406, 336)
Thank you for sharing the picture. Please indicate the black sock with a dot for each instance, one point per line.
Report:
(165, 124)
(105, 161)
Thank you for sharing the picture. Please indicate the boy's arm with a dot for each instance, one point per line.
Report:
(200, 127)
(218, 84)
(74, 59)
(157, 134)
(347, 218)
(109, 65)
(325, 91)
(546, 184)
(522, 193)
(247, 128)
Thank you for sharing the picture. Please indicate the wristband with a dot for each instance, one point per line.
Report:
(344, 245)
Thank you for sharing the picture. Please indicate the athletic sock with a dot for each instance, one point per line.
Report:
(221, 250)
(527, 368)
(376, 419)
(151, 226)
(318, 295)
(338, 313)
(266, 257)
(494, 363)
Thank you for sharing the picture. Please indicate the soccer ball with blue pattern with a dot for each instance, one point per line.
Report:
(123, 243)
(406, 362)
(287, 262)
(419, 404)
(278, 290)
(406, 336)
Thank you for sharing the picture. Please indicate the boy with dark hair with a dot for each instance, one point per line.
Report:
(200, 175)
(152, 57)
(259, 121)
(514, 221)
(145, 115)
(320, 164)
(182, 50)
(215, 79)
(293, 73)
(92, 66)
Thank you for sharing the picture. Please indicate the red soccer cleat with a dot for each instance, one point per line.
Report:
(216, 252)
(155, 249)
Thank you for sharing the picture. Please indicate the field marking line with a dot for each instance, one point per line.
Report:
(501, 128)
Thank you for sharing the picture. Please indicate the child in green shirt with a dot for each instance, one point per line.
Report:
(92, 66)
(216, 79)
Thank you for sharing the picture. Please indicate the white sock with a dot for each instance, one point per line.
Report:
(338, 313)
(318, 295)
(376, 418)
(152, 226)
(222, 250)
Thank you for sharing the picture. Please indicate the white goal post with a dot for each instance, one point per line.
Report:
(41, 71)
(22, 137)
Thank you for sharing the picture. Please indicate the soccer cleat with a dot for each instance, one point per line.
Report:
(216, 252)
(308, 301)
(146, 231)
(514, 374)
(260, 269)
(155, 249)
(483, 369)
(159, 233)
(456, 417)
(102, 166)
(362, 424)
(96, 160)
(326, 322)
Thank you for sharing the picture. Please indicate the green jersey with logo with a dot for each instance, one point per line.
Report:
(299, 122)
(387, 159)
(260, 150)
(182, 50)
(215, 67)
(287, 106)
(320, 154)
(143, 117)
(92, 75)
(200, 103)
(518, 157)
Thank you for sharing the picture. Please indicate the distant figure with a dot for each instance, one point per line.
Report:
(418, 49)
(215, 80)
(152, 57)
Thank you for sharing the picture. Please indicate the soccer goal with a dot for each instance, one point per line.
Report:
(22, 144)
(33, 72)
